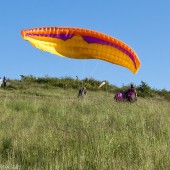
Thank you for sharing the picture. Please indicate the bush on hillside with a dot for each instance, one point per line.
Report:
(144, 90)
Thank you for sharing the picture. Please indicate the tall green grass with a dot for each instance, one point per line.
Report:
(50, 128)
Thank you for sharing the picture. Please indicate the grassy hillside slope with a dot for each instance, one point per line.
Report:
(50, 128)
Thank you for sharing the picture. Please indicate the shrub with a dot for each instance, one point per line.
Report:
(144, 90)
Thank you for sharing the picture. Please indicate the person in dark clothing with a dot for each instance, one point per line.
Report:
(4, 81)
(133, 89)
(82, 92)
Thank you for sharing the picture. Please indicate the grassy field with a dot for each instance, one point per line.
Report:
(50, 128)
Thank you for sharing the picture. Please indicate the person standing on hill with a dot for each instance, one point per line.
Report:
(133, 89)
(82, 92)
(4, 81)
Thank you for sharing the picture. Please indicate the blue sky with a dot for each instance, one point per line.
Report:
(143, 25)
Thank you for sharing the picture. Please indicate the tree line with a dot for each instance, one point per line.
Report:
(143, 90)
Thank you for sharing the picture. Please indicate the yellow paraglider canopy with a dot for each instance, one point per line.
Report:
(81, 43)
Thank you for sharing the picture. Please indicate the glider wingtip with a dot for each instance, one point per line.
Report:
(136, 71)
(23, 33)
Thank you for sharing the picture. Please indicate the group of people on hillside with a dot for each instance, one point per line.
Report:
(83, 91)
(3, 82)
(130, 94)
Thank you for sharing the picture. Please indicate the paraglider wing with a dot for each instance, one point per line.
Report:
(81, 43)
